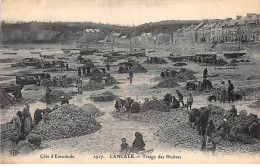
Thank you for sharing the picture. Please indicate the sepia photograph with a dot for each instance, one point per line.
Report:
(130, 82)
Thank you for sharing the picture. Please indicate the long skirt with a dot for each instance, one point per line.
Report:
(27, 125)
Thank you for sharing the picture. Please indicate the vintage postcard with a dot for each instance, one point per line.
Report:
(130, 81)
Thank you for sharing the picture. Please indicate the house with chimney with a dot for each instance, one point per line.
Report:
(241, 29)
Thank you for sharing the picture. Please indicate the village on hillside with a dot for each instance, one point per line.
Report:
(240, 29)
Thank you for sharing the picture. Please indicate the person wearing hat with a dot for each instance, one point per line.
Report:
(64, 100)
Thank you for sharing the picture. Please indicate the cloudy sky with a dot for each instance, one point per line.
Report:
(124, 12)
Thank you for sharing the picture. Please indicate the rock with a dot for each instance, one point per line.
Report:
(168, 83)
(155, 105)
(90, 109)
(137, 68)
(105, 96)
(92, 85)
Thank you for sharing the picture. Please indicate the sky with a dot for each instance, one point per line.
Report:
(124, 12)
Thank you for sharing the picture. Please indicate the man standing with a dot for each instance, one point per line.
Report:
(222, 92)
(230, 91)
(108, 67)
(180, 97)
(189, 101)
(17, 122)
(67, 67)
(48, 95)
(84, 71)
(131, 75)
(63, 79)
(79, 72)
(79, 85)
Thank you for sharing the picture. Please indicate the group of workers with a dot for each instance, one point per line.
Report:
(206, 127)
(203, 120)
(61, 82)
(124, 69)
(168, 73)
(22, 121)
(63, 66)
(128, 105)
(55, 81)
(155, 60)
(210, 60)
(174, 103)
(226, 93)
(85, 70)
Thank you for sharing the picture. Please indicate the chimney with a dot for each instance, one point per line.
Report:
(239, 17)
(249, 15)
